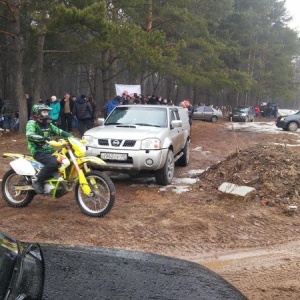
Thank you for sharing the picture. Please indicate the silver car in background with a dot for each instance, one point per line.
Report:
(206, 113)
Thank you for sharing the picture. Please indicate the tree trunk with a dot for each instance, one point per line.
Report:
(150, 13)
(17, 69)
(39, 69)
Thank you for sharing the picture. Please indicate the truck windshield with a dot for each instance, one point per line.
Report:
(139, 116)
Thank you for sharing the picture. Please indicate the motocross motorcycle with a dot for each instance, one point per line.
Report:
(94, 190)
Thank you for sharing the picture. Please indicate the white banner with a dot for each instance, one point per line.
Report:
(128, 89)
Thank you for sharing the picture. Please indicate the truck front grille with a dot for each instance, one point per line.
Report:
(127, 143)
(103, 142)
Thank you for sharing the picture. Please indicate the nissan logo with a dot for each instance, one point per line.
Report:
(116, 143)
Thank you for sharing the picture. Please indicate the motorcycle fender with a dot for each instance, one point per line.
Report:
(22, 167)
(92, 159)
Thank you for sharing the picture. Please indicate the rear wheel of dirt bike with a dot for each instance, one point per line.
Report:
(102, 197)
(13, 197)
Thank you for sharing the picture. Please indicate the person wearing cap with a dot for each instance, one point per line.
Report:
(54, 113)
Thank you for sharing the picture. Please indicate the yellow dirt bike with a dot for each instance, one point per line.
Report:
(94, 190)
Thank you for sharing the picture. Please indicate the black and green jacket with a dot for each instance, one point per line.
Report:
(38, 133)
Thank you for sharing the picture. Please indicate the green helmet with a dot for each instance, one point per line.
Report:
(38, 108)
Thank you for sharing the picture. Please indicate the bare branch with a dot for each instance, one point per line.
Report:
(7, 33)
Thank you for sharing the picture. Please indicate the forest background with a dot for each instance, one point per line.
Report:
(224, 53)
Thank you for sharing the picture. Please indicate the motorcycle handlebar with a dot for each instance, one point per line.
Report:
(57, 144)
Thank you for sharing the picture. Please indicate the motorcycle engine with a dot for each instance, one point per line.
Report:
(48, 188)
(61, 190)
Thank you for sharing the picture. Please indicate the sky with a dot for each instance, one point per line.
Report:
(293, 6)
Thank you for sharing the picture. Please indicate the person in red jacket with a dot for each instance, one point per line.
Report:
(257, 111)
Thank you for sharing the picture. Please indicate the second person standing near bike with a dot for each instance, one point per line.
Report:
(83, 112)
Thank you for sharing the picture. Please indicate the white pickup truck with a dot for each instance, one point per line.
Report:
(137, 138)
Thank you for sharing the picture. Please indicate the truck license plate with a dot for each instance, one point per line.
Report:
(114, 156)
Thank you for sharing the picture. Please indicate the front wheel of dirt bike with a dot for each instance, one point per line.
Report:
(102, 197)
(12, 196)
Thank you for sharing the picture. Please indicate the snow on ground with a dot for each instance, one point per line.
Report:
(254, 126)
(269, 127)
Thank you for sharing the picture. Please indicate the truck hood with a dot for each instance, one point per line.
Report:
(135, 132)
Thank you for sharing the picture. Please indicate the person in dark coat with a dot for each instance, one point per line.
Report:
(94, 106)
(29, 102)
(83, 112)
(7, 113)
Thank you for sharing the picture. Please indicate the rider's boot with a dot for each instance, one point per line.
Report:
(38, 186)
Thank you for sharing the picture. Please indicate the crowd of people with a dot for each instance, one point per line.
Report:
(67, 113)
(78, 111)
(140, 99)
(133, 99)
(72, 112)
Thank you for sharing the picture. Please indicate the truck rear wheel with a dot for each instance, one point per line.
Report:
(183, 161)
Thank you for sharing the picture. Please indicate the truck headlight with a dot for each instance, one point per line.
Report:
(151, 144)
(88, 138)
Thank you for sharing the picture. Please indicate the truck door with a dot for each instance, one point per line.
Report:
(176, 134)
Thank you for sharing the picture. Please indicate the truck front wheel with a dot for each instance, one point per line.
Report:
(165, 175)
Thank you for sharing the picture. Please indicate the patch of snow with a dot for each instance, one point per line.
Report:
(196, 172)
(198, 148)
(231, 188)
(180, 189)
(176, 187)
(184, 180)
(254, 126)
(288, 145)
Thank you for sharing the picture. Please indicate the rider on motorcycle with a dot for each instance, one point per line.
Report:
(38, 131)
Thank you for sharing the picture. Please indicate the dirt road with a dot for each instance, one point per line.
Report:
(252, 242)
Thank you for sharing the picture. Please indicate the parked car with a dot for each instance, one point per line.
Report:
(242, 113)
(138, 138)
(43, 271)
(289, 122)
(206, 113)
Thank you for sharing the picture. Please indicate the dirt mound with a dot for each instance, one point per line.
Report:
(273, 170)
